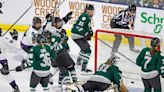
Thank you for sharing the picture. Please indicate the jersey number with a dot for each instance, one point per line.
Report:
(103, 68)
(57, 46)
(46, 59)
(147, 61)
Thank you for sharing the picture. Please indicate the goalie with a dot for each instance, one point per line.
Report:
(105, 76)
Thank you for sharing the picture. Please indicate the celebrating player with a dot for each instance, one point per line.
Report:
(124, 20)
(3, 59)
(81, 33)
(27, 42)
(150, 62)
(107, 74)
(64, 61)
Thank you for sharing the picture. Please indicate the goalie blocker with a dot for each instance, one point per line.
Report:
(105, 76)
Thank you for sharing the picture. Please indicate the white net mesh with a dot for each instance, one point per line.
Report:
(131, 72)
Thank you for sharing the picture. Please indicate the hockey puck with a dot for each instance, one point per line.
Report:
(132, 82)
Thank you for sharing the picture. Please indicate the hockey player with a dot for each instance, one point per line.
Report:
(40, 56)
(27, 43)
(81, 33)
(7, 43)
(64, 61)
(150, 62)
(124, 20)
(57, 29)
(103, 78)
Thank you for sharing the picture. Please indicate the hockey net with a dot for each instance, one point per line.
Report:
(127, 63)
(104, 42)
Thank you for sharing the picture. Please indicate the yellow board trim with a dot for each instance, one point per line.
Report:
(106, 37)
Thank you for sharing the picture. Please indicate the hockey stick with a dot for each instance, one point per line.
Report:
(52, 13)
(12, 70)
(18, 19)
(117, 51)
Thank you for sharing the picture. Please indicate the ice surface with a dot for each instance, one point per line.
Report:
(130, 71)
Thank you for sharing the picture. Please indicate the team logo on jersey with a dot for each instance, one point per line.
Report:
(1, 8)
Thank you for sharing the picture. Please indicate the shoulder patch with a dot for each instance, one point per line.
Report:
(53, 39)
(83, 18)
(31, 49)
(32, 33)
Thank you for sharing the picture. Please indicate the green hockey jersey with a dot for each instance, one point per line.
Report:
(162, 66)
(82, 25)
(41, 57)
(107, 74)
(150, 64)
(57, 44)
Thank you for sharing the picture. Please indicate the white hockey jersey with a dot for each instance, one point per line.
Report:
(8, 43)
(27, 38)
(56, 31)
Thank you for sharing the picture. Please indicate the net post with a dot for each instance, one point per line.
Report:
(96, 44)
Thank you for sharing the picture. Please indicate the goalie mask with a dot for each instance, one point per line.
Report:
(113, 60)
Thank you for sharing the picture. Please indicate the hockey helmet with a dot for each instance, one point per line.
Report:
(155, 42)
(132, 8)
(36, 20)
(89, 7)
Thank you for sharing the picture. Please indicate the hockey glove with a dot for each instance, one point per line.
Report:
(64, 37)
(21, 67)
(91, 33)
(48, 17)
(14, 34)
(68, 17)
